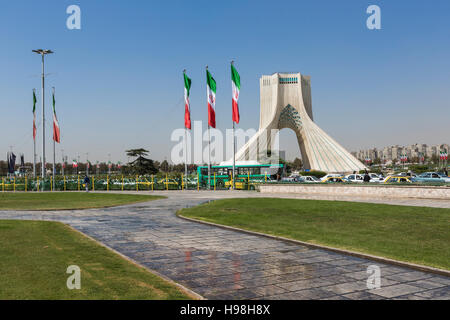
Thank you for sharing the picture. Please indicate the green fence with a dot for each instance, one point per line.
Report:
(151, 183)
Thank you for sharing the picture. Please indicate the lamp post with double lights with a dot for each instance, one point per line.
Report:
(43, 52)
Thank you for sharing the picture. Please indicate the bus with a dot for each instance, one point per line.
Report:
(220, 175)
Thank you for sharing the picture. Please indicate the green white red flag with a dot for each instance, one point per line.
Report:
(187, 106)
(56, 132)
(236, 85)
(211, 96)
(34, 115)
(74, 163)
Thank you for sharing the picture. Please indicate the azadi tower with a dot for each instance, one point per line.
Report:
(286, 103)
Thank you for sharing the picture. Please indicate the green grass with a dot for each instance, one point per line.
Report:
(67, 200)
(34, 256)
(413, 234)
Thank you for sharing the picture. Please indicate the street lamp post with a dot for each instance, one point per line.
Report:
(43, 53)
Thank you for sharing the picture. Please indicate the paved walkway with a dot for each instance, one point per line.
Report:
(224, 264)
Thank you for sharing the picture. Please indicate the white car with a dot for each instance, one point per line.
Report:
(355, 178)
(310, 179)
(330, 175)
(376, 177)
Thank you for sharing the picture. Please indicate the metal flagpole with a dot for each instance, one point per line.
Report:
(34, 142)
(62, 164)
(209, 135)
(43, 53)
(209, 158)
(43, 125)
(109, 163)
(234, 143)
(185, 139)
(87, 163)
(34, 158)
(185, 158)
(54, 151)
(234, 159)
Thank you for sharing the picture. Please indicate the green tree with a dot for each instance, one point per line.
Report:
(164, 166)
(140, 165)
(137, 152)
(297, 164)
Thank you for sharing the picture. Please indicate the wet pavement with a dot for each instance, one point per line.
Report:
(224, 264)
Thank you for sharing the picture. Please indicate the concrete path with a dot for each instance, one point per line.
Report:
(225, 264)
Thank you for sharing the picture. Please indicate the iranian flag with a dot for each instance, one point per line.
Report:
(236, 85)
(56, 132)
(187, 106)
(74, 163)
(34, 115)
(211, 96)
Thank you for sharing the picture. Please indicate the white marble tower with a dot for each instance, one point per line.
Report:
(286, 103)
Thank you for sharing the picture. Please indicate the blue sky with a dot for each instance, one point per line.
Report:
(119, 79)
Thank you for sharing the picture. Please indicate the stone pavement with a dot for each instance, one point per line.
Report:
(224, 264)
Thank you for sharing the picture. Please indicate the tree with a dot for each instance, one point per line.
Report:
(297, 164)
(164, 166)
(140, 165)
(137, 152)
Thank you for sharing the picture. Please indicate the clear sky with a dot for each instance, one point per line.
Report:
(119, 79)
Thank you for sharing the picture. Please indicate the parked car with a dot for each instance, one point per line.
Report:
(241, 184)
(330, 175)
(431, 177)
(397, 179)
(333, 180)
(359, 178)
(310, 179)
(374, 177)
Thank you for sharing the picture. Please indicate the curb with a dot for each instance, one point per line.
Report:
(418, 267)
(188, 291)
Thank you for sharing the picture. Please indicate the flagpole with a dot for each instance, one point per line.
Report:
(234, 159)
(185, 142)
(54, 151)
(87, 163)
(209, 137)
(34, 158)
(209, 157)
(34, 137)
(62, 164)
(43, 126)
(185, 157)
(234, 143)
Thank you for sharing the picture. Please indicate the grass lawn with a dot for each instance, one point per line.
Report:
(413, 234)
(34, 256)
(67, 200)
